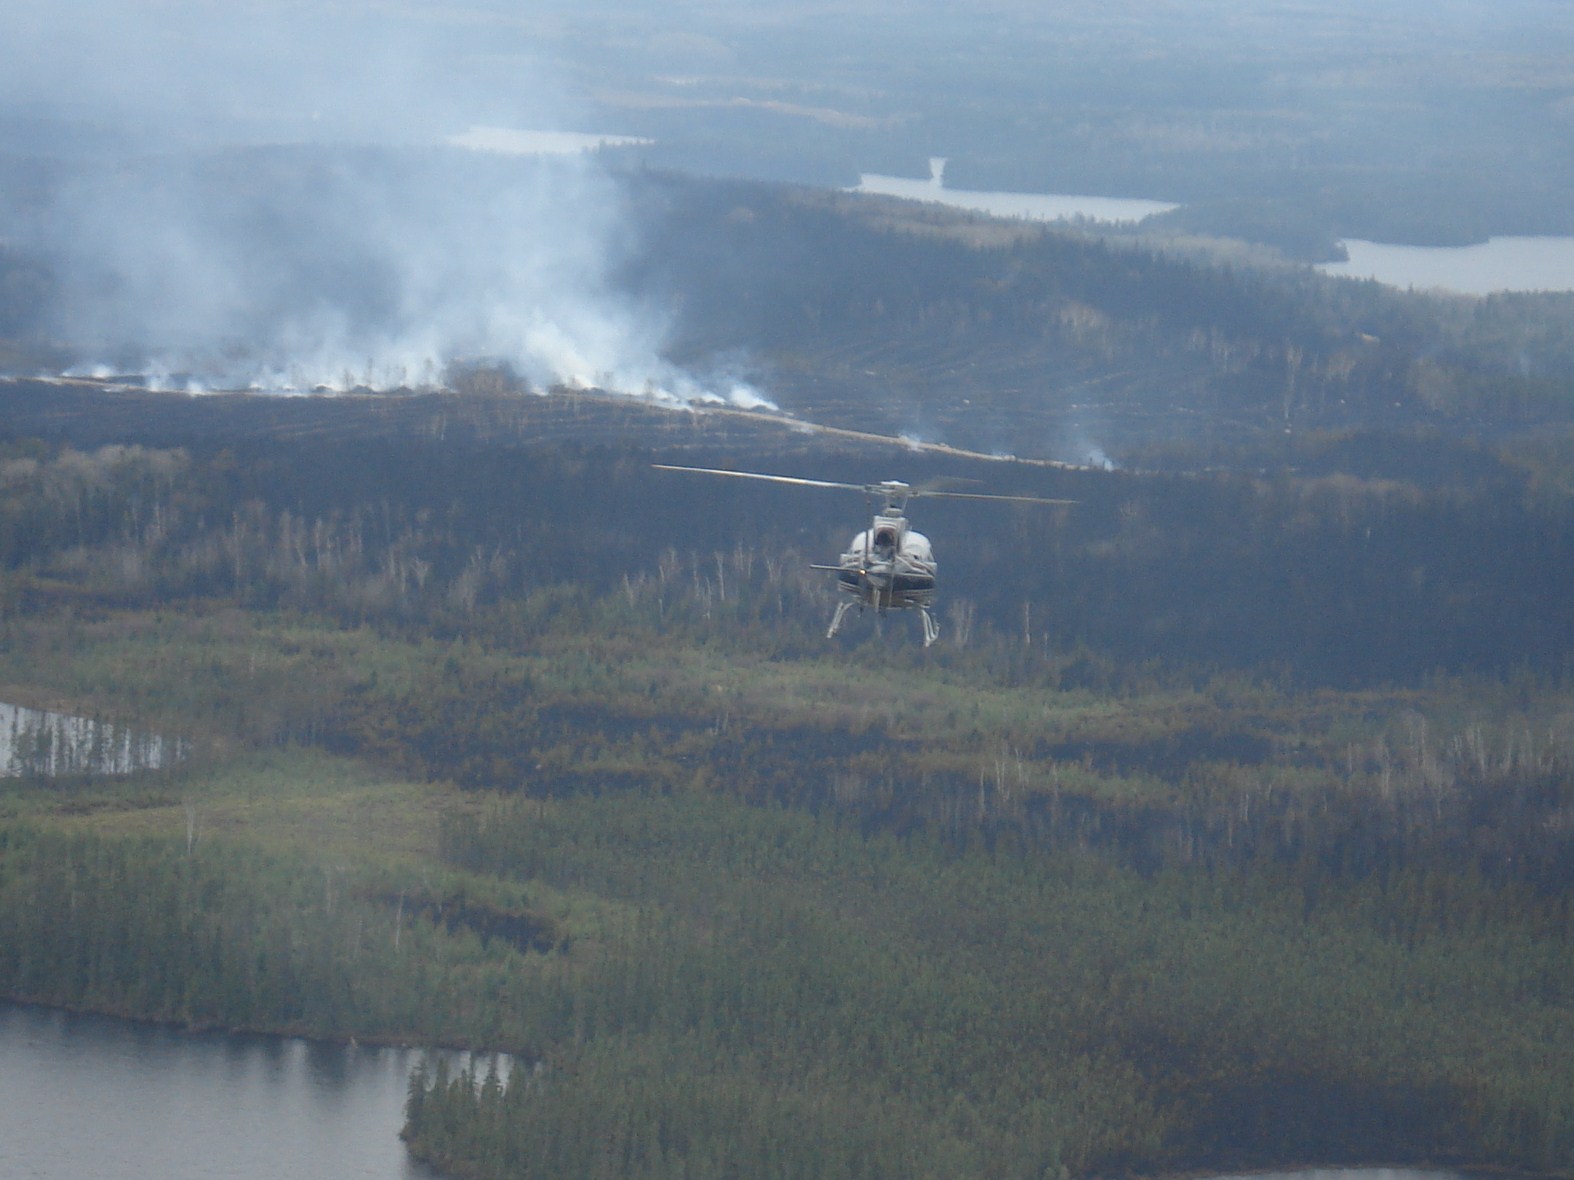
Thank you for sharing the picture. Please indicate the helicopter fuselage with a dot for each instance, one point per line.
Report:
(889, 566)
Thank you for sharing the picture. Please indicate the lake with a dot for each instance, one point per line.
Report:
(106, 1099)
(512, 141)
(38, 742)
(1027, 206)
(1498, 264)
(93, 1097)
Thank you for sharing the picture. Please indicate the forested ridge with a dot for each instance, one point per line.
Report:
(1036, 340)
(1152, 348)
(1227, 826)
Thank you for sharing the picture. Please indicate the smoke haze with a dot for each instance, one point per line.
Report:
(276, 196)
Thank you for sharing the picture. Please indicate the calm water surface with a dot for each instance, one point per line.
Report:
(1029, 206)
(1499, 264)
(38, 742)
(512, 141)
(92, 1098)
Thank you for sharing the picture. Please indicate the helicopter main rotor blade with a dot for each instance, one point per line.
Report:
(942, 483)
(889, 489)
(789, 479)
(987, 496)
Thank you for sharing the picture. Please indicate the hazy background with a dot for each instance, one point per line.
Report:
(267, 193)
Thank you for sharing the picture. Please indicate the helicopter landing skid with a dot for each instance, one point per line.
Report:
(931, 627)
(836, 620)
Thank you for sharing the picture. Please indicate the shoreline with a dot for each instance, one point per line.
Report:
(1284, 1171)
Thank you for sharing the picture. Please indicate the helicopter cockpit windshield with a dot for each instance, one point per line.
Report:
(885, 539)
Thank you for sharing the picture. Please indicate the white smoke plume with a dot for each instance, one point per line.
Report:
(1077, 444)
(287, 201)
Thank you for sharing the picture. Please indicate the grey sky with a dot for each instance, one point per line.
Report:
(258, 71)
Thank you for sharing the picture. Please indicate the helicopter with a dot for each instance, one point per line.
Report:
(888, 566)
